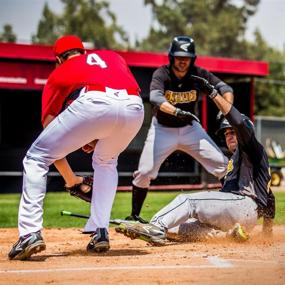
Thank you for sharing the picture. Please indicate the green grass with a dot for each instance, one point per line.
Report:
(55, 202)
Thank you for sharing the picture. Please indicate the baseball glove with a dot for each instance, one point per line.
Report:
(77, 189)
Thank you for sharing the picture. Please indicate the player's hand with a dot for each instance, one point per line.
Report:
(219, 118)
(205, 86)
(185, 116)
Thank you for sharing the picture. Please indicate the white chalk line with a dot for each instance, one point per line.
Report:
(215, 262)
(219, 262)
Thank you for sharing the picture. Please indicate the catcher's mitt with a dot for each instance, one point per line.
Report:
(76, 190)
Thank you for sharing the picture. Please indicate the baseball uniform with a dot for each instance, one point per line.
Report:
(244, 197)
(108, 108)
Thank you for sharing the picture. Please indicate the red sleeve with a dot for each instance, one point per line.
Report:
(59, 85)
(53, 98)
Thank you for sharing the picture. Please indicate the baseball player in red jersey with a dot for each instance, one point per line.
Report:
(108, 109)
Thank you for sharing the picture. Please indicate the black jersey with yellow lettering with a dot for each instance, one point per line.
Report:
(248, 169)
(182, 93)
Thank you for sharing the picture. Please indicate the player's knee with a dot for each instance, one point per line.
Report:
(147, 173)
(104, 161)
(181, 198)
(220, 169)
(142, 179)
(220, 172)
(33, 164)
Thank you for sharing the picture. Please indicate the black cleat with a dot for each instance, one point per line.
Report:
(26, 246)
(136, 218)
(99, 241)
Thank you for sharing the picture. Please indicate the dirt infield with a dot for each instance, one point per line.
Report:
(66, 261)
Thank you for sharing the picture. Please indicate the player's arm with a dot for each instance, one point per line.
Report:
(243, 127)
(62, 165)
(223, 88)
(167, 107)
(229, 96)
(157, 98)
(157, 89)
(47, 120)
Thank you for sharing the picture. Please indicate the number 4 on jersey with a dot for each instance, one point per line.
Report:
(95, 59)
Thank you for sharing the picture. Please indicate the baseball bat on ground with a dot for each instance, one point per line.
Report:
(67, 213)
(71, 214)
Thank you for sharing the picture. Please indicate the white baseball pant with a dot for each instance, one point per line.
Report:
(161, 141)
(215, 209)
(113, 119)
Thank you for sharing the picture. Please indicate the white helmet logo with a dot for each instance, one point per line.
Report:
(185, 46)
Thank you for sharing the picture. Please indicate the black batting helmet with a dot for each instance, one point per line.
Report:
(226, 125)
(223, 125)
(182, 46)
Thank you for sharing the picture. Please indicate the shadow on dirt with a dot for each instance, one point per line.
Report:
(112, 252)
(81, 252)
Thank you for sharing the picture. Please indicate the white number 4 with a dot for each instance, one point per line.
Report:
(95, 59)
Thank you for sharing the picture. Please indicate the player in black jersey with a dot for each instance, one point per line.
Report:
(175, 126)
(233, 211)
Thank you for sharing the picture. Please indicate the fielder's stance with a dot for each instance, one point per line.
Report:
(245, 195)
(175, 127)
(108, 109)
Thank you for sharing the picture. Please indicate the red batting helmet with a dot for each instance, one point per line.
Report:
(66, 43)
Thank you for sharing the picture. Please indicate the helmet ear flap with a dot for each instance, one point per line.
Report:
(224, 124)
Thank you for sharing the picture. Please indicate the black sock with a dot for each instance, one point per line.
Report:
(138, 197)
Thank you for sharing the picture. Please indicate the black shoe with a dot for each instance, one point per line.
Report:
(136, 218)
(99, 241)
(26, 246)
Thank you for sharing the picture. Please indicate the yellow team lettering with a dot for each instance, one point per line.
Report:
(269, 182)
(230, 166)
(180, 97)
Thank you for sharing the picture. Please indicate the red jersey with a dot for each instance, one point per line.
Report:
(99, 69)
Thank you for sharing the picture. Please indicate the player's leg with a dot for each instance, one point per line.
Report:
(73, 128)
(193, 230)
(160, 143)
(90, 117)
(63, 167)
(48, 147)
(217, 209)
(127, 125)
(197, 143)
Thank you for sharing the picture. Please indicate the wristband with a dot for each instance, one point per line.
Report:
(176, 112)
